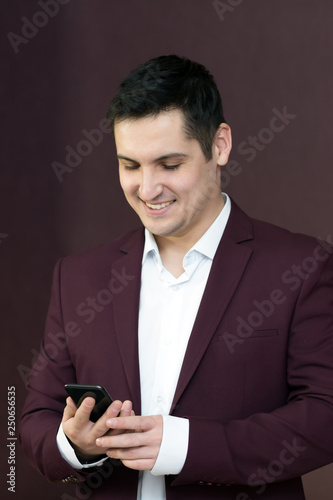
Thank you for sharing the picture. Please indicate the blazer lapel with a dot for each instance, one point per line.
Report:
(127, 270)
(226, 272)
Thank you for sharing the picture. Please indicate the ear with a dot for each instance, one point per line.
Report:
(222, 144)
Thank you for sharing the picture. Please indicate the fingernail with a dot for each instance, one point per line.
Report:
(99, 442)
(127, 405)
(111, 422)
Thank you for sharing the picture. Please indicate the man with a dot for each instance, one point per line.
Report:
(214, 331)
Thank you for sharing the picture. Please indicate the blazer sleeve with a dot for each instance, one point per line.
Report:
(293, 439)
(45, 402)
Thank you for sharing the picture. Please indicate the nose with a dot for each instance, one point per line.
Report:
(150, 184)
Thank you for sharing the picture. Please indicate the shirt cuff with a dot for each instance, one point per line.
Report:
(68, 453)
(173, 450)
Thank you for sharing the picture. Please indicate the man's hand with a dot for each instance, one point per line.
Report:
(139, 442)
(83, 433)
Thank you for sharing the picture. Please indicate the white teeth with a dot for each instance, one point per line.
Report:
(158, 207)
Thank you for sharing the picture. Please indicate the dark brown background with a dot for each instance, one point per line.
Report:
(264, 54)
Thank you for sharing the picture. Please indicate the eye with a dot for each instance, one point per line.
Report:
(171, 167)
(131, 167)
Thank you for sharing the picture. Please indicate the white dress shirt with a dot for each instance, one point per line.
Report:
(168, 308)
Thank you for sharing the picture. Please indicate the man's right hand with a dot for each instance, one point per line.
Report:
(83, 433)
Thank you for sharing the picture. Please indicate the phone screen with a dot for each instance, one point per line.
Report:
(79, 392)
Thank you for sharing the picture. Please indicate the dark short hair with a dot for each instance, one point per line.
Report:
(172, 82)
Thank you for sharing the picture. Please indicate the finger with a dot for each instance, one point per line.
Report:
(100, 427)
(114, 409)
(139, 453)
(71, 403)
(118, 442)
(70, 410)
(142, 464)
(138, 424)
(126, 409)
(82, 414)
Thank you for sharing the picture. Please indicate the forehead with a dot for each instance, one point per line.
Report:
(152, 135)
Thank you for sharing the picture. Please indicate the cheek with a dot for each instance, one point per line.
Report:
(184, 186)
(197, 193)
(191, 187)
(127, 184)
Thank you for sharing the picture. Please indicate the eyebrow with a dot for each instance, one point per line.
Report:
(160, 158)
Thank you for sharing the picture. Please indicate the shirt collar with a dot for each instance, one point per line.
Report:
(209, 241)
(150, 245)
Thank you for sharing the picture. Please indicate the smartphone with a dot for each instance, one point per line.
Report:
(79, 392)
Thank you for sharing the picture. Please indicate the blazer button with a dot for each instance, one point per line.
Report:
(70, 479)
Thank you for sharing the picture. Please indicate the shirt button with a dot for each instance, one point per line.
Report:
(175, 288)
(159, 399)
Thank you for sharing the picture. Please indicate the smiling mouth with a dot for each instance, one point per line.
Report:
(159, 206)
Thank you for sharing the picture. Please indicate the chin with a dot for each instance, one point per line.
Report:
(165, 232)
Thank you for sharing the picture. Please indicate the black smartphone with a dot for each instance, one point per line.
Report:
(79, 392)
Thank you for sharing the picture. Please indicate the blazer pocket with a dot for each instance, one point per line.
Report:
(254, 335)
(263, 333)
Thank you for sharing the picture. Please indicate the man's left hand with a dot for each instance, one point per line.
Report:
(137, 448)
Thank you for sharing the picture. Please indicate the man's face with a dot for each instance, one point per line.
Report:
(166, 178)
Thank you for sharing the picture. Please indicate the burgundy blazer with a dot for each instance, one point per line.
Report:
(256, 382)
